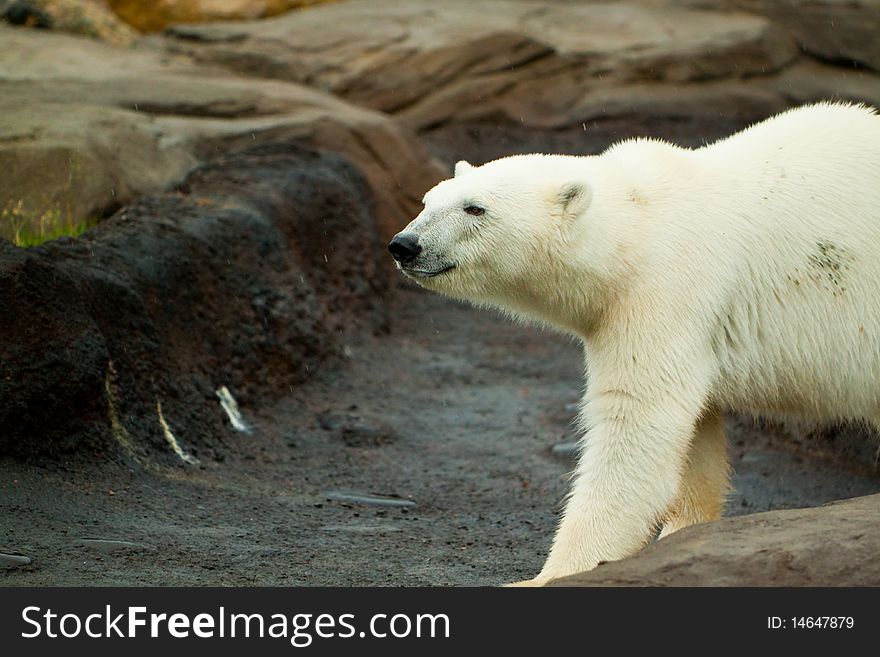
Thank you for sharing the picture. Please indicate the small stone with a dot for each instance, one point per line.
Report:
(112, 545)
(361, 529)
(566, 450)
(355, 430)
(369, 500)
(13, 560)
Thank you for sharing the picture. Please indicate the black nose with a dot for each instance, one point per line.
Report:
(404, 248)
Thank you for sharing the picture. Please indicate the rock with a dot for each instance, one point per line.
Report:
(566, 450)
(810, 81)
(209, 282)
(361, 529)
(68, 163)
(357, 430)
(114, 545)
(9, 561)
(230, 407)
(24, 12)
(677, 69)
(519, 62)
(834, 545)
(150, 16)
(91, 18)
(368, 499)
(830, 30)
(88, 128)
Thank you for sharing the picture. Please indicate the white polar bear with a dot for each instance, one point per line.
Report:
(744, 275)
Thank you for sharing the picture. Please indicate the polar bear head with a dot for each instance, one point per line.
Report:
(505, 234)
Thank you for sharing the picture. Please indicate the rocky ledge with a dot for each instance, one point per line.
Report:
(558, 65)
(88, 128)
(259, 268)
(834, 545)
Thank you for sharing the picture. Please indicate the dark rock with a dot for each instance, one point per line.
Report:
(248, 272)
(91, 18)
(24, 12)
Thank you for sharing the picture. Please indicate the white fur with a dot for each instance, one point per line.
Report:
(744, 275)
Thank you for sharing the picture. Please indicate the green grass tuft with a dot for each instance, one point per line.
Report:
(25, 229)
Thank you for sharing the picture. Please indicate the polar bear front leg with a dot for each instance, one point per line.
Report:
(630, 472)
(706, 479)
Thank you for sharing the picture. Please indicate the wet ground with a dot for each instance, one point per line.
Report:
(426, 460)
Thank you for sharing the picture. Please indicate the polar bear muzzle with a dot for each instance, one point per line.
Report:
(404, 248)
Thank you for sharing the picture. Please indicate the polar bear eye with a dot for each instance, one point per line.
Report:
(474, 210)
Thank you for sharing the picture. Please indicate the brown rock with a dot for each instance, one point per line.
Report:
(66, 163)
(152, 15)
(87, 128)
(668, 66)
(524, 62)
(834, 545)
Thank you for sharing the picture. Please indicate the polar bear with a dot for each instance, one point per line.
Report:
(743, 275)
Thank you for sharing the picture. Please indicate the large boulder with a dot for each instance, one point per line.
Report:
(520, 61)
(552, 66)
(834, 545)
(88, 128)
(260, 268)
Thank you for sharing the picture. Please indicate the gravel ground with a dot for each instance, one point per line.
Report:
(426, 460)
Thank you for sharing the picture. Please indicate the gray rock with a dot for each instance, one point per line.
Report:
(113, 545)
(361, 529)
(13, 560)
(566, 450)
(369, 499)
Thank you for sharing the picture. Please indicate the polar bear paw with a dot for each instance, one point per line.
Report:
(531, 583)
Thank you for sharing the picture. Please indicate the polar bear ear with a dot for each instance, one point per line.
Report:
(462, 167)
(573, 198)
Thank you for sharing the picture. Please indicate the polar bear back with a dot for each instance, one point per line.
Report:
(780, 241)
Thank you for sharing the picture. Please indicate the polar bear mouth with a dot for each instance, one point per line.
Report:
(425, 273)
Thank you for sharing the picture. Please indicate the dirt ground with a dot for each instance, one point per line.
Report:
(447, 424)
